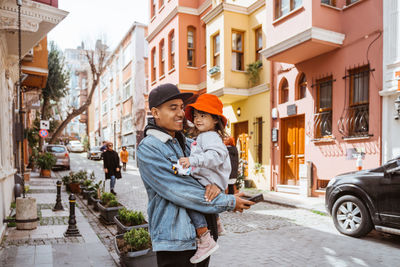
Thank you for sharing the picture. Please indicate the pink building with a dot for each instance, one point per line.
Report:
(325, 95)
(177, 46)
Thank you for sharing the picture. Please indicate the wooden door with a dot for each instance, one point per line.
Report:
(292, 149)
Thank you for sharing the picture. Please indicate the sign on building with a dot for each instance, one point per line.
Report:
(45, 125)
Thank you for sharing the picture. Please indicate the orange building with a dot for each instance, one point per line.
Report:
(177, 44)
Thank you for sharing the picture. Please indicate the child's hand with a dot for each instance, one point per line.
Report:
(184, 162)
(212, 191)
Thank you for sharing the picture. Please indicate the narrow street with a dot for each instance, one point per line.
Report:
(271, 235)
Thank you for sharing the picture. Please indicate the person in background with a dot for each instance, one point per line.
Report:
(124, 155)
(234, 158)
(111, 166)
(103, 148)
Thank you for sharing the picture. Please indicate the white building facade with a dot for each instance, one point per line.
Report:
(391, 80)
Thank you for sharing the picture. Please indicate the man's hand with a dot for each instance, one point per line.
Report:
(212, 191)
(105, 170)
(241, 203)
(184, 162)
(117, 169)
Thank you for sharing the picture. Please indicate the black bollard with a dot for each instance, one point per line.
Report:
(58, 205)
(72, 228)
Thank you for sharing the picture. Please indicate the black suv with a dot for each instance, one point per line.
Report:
(361, 200)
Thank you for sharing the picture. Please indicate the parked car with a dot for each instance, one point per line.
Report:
(363, 200)
(95, 153)
(61, 154)
(75, 146)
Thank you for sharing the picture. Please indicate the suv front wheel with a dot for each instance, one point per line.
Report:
(351, 216)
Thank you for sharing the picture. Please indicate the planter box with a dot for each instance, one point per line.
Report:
(121, 228)
(142, 258)
(107, 214)
(94, 203)
(86, 193)
(74, 188)
(45, 173)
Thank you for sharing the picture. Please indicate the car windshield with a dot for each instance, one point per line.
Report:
(75, 143)
(56, 149)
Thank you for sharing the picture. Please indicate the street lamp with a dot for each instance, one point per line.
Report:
(238, 112)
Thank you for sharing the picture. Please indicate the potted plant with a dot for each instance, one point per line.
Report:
(134, 248)
(253, 71)
(92, 191)
(86, 188)
(108, 207)
(95, 196)
(128, 219)
(259, 179)
(46, 161)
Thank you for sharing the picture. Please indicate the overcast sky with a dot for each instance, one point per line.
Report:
(90, 19)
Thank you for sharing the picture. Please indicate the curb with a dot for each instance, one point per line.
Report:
(291, 205)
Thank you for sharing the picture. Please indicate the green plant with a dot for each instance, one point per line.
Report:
(26, 188)
(253, 71)
(46, 161)
(113, 203)
(13, 205)
(11, 222)
(87, 183)
(66, 179)
(240, 179)
(137, 239)
(130, 218)
(258, 168)
(107, 197)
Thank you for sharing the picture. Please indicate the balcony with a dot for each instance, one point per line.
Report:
(305, 45)
(355, 123)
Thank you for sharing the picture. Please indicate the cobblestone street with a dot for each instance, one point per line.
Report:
(272, 235)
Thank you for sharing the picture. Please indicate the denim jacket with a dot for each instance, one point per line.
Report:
(170, 194)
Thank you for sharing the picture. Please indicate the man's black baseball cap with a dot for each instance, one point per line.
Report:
(164, 93)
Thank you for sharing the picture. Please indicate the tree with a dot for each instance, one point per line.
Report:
(96, 60)
(57, 80)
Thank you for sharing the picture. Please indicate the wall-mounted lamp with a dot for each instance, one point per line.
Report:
(397, 108)
(238, 112)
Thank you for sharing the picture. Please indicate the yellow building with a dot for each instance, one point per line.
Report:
(235, 36)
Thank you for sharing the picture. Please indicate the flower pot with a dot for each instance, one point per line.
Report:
(27, 176)
(121, 228)
(142, 258)
(86, 193)
(94, 202)
(74, 188)
(45, 173)
(107, 214)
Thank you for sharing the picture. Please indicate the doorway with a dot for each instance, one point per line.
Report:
(240, 133)
(292, 149)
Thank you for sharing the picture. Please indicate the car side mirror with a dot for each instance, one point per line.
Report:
(390, 172)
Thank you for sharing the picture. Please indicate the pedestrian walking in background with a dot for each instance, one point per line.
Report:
(124, 155)
(112, 169)
(170, 195)
(234, 158)
(103, 148)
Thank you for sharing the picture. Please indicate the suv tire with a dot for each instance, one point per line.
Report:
(351, 217)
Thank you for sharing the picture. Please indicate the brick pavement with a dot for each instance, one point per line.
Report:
(274, 235)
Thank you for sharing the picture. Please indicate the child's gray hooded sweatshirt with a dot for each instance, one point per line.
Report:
(209, 160)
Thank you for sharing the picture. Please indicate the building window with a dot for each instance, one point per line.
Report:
(259, 43)
(127, 55)
(284, 91)
(172, 50)
(349, 2)
(237, 50)
(191, 47)
(153, 8)
(323, 115)
(162, 57)
(127, 90)
(359, 86)
(216, 49)
(329, 2)
(302, 87)
(153, 64)
(283, 7)
(258, 127)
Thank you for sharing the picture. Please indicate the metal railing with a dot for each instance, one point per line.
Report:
(323, 124)
(355, 122)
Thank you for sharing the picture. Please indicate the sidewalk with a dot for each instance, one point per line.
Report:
(46, 245)
(316, 204)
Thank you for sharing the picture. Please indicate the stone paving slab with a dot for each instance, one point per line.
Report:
(51, 213)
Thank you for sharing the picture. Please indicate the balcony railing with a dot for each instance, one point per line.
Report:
(323, 124)
(355, 123)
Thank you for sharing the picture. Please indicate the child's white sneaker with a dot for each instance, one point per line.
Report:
(206, 246)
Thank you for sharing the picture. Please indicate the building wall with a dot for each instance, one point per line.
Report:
(362, 36)
(390, 91)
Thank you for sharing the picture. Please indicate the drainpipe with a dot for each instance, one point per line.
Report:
(273, 180)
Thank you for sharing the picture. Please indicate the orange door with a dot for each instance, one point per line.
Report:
(292, 149)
